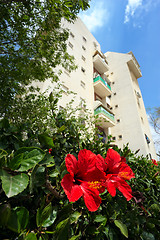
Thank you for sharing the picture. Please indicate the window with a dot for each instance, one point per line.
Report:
(83, 58)
(66, 71)
(120, 137)
(142, 120)
(83, 48)
(147, 139)
(72, 35)
(83, 84)
(83, 70)
(138, 102)
(84, 39)
(70, 45)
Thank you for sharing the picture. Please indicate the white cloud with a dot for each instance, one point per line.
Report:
(131, 8)
(96, 16)
(136, 9)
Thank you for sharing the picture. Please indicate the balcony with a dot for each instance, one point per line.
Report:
(105, 117)
(101, 87)
(134, 66)
(100, 62)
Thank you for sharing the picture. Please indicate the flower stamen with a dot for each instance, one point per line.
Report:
(95, 184)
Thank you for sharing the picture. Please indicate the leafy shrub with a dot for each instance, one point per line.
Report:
(34, 206)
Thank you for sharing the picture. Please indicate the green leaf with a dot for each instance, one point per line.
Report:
(3, 153)
(100, 218)
(50, 220)
(31, 236)
(13, 185)
(155, 208)
(122, 227)
(106, 231)
(61, 129)
(62, 224)
(43, 215)
(47, 160)
(23, 217)
(75, 237)
(16, 161)
(5, 212)
(62, 229)
(46, 140)
(74, 217)
(31, 159)
(26, 158)
(147, 236)
(37, 178)
(32, 179)
(13, 223)
(51, 98)
(54, 173)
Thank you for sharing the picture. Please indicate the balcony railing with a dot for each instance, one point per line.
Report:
(105, 118)
(104, 111)
(102, 80)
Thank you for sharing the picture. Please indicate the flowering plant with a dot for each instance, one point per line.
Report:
(84, 179)
(91, 174)
(154, 162)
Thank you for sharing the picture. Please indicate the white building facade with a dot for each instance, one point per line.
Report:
(108, 85)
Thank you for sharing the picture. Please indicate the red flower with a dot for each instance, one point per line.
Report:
(50, 150)
(154, 162)
(83, 179)
(117, 172)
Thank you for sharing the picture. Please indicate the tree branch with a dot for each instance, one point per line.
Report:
(53, 190)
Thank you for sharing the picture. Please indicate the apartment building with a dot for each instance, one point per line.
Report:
(107, 84)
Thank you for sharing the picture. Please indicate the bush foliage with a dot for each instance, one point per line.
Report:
(33, 204)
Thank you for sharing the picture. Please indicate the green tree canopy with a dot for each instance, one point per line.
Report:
(32, 43)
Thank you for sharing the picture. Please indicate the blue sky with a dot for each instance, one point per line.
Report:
(130, 25)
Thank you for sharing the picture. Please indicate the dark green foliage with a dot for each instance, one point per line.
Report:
(39, 209)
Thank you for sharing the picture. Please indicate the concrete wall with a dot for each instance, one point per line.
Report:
(131, 119)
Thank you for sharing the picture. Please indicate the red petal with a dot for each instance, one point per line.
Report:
(86, 161)
(73, 191)
(125, 189)
(71, 164)
(112, 159)
(100, 163)
(110, 185)
(123, 159)
(125, 171)
(154, 162)
(91, 197)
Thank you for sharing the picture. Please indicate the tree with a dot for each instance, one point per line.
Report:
(155, 122)
(155, 119)
(32, 43)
